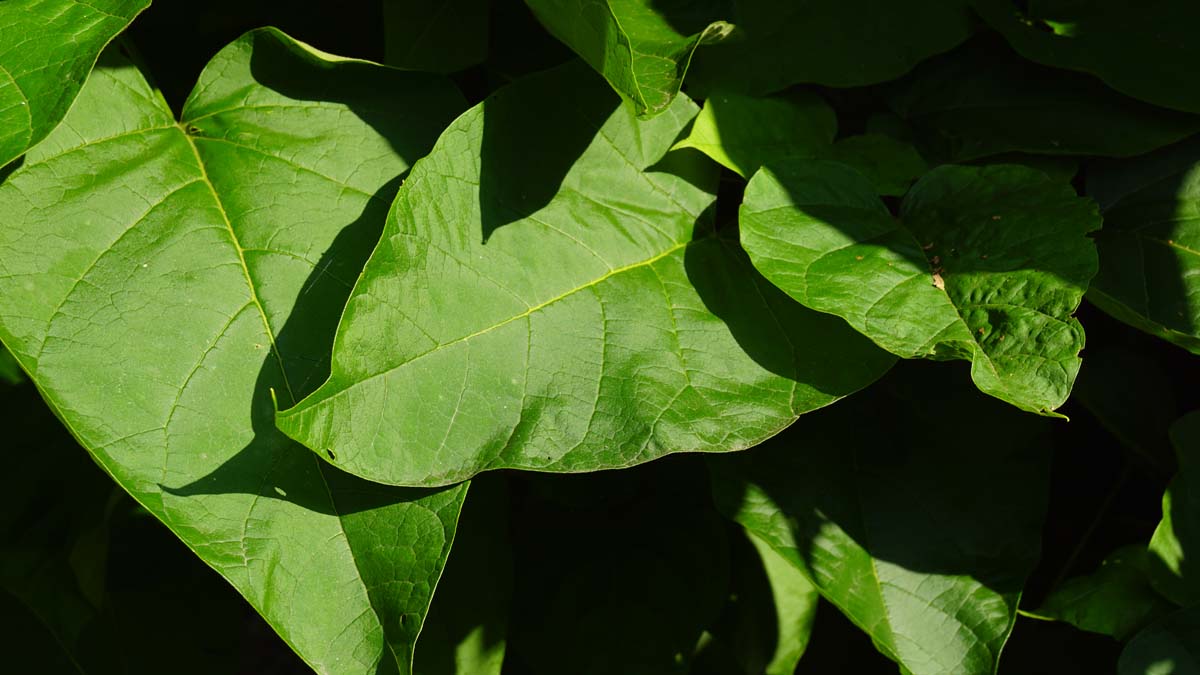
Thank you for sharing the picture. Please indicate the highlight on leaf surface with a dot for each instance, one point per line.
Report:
(161, 277)
(985, 264)
(549, 294)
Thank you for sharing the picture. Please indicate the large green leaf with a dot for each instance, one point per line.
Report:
(982, 100)
(1169, 647)
(642, 47)
(1115, 600)
(439, 36)
(538, 301)
(985, 264)
(1150, 247)
(1146, 50)
(839, 43)
(48, 49)
(743, 133)
(920, 538)
(1175, 546)
(161, 278)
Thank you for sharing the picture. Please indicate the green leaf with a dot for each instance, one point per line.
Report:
(538, 302)
(1115, 600)
(1175, 545)
(49, 48)
(1169, 647)
(440, 36)
(1147, 51)
(982, 100)
(985, 264)
(838, 43)
(768, 621)
(467, 625)
(1150, 247)
(743, 133)
(161, 278)
(922, 540)
(642, 47)
(10, 370)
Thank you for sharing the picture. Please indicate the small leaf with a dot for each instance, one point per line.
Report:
(439, 36)
(1147, 51)
(1150, 247)
(1115, 600)
(838, 43)
(921, 540)
(545, 299)
(1175, 546)
(1169, 647)
(981, 100)
(642, 47)
(985, 264)
(50, 47)
(161, 279)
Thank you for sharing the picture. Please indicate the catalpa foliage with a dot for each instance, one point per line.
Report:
(601, 336)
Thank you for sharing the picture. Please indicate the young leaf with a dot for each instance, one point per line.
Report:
(538, 301)
(1147, 51)
(1175, 546)
(921, 540)
(838, 43)
(439, 36)
(1169, 647)
(743, 133)
(642, 47)
(49, 48)
(1150, 247)
(161, 278)
(982, 100)
(985, 264)
(1115, 600)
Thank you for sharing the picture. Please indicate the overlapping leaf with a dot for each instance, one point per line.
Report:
(642, 47)
(981, 100)
(920, 539)
(743, 133)
(49, 47)
(158, 279)
(539, 301)
(1175, 546)
(839, 43)
(1150, 248)
(985, 264)
(1169, 647)
(1146, 50)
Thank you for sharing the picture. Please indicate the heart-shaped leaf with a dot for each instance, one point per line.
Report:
(544, 299)
(49, 47)
(985, 264)
(161, 277)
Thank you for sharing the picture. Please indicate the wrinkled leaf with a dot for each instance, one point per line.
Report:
(1150, 247)
(642, 47)
(1145, 50)
(624, 585)
(839, 43)
(921, 540)
(1169, 647)
(982, 100)
(161, 278)
(538, 302)
(1114, 600)
(1175, 546)
(985, 264)
(743, 133)
(439, 36)
(49, 47)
